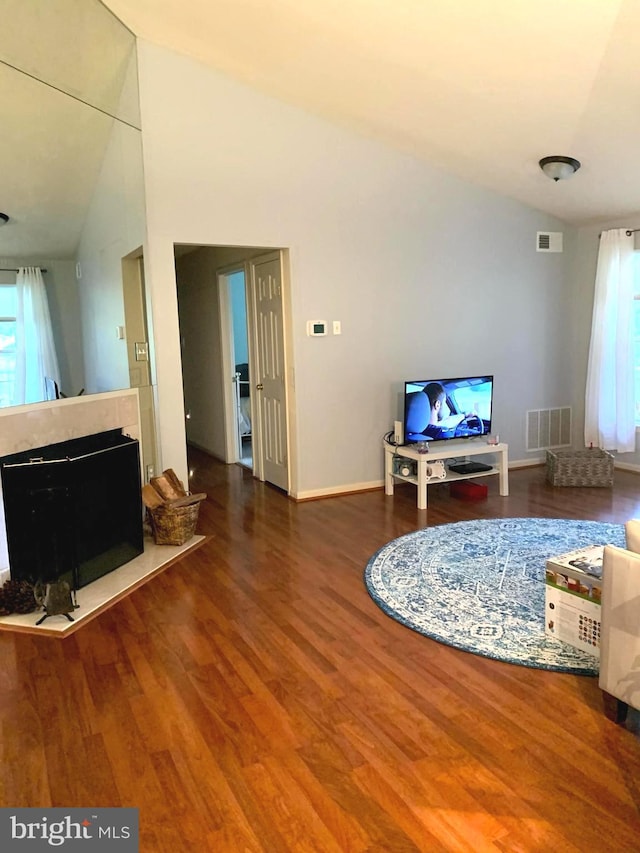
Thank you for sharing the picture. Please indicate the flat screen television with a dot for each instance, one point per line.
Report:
(442, 409)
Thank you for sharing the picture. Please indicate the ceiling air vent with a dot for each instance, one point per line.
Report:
(549, 241)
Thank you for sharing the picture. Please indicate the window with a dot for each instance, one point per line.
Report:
(7, 342)
(636, 333)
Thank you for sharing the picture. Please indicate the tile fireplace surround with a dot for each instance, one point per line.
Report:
(40, 424)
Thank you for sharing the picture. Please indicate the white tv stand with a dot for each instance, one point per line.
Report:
(445, 450)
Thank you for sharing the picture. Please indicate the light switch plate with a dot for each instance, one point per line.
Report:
(142, 351)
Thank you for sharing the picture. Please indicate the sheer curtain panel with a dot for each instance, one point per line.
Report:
(609, 399)
(35, 349)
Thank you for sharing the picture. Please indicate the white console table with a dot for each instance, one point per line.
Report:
(458, 450)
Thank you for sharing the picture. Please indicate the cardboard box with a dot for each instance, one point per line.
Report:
(573, 592)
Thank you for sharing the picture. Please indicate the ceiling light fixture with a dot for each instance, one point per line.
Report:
(3, 218)
(559, 168)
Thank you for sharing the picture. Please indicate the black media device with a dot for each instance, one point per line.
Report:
(469, 467)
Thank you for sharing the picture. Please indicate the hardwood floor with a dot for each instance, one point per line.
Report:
(254, 698)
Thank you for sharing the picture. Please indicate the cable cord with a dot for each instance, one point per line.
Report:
(387, 438)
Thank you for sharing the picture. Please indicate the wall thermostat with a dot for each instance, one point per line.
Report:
(316, 328)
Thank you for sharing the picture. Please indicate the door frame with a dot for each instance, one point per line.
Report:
(232, 452)
(136, 325)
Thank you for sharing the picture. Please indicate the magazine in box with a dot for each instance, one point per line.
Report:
(583, 561)
(579, 572)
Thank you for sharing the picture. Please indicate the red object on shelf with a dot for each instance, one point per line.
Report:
(467, 491)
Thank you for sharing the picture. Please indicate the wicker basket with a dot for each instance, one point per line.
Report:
(593, 467)
(173, 525)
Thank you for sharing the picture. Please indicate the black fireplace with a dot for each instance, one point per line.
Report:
(73, 510)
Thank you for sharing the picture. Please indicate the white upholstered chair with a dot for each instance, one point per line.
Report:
(620, 626)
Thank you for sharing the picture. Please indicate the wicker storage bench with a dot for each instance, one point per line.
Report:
(592, 467)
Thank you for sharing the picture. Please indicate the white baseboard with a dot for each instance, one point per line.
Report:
(627, 466)
(336, 491)
(527, 463)
(350, 488)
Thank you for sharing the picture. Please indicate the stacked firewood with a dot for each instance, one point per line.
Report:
(168, 490)
(172, 511)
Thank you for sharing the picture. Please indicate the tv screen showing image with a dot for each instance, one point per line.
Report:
(441, 409)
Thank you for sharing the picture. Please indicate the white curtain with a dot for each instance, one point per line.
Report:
(35, 351)
(609, 398)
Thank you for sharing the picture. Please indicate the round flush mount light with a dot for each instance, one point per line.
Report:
(559, 168)
(3, 219)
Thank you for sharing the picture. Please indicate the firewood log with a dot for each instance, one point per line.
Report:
(187, 500)
(166, 487)
(177, 484)
(150, 497)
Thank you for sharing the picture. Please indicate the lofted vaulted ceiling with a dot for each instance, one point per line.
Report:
(480, 88)
(67, 73)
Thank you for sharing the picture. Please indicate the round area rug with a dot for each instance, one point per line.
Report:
(480, 585)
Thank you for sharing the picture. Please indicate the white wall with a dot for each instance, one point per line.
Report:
(429, 275)
(114, 227)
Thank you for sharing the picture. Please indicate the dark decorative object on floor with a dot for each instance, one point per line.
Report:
(480, 586)
(55, 598)
(16, 597)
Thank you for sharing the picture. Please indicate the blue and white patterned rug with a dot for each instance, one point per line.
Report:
(479, 585)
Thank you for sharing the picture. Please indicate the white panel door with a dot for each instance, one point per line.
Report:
(272, 464)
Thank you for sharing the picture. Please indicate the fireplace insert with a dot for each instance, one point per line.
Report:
(73, 510)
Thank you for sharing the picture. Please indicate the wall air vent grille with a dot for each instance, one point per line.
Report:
(549, 241)
(548, 428)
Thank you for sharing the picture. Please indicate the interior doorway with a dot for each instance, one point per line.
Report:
(235, 355)
(238, 342)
